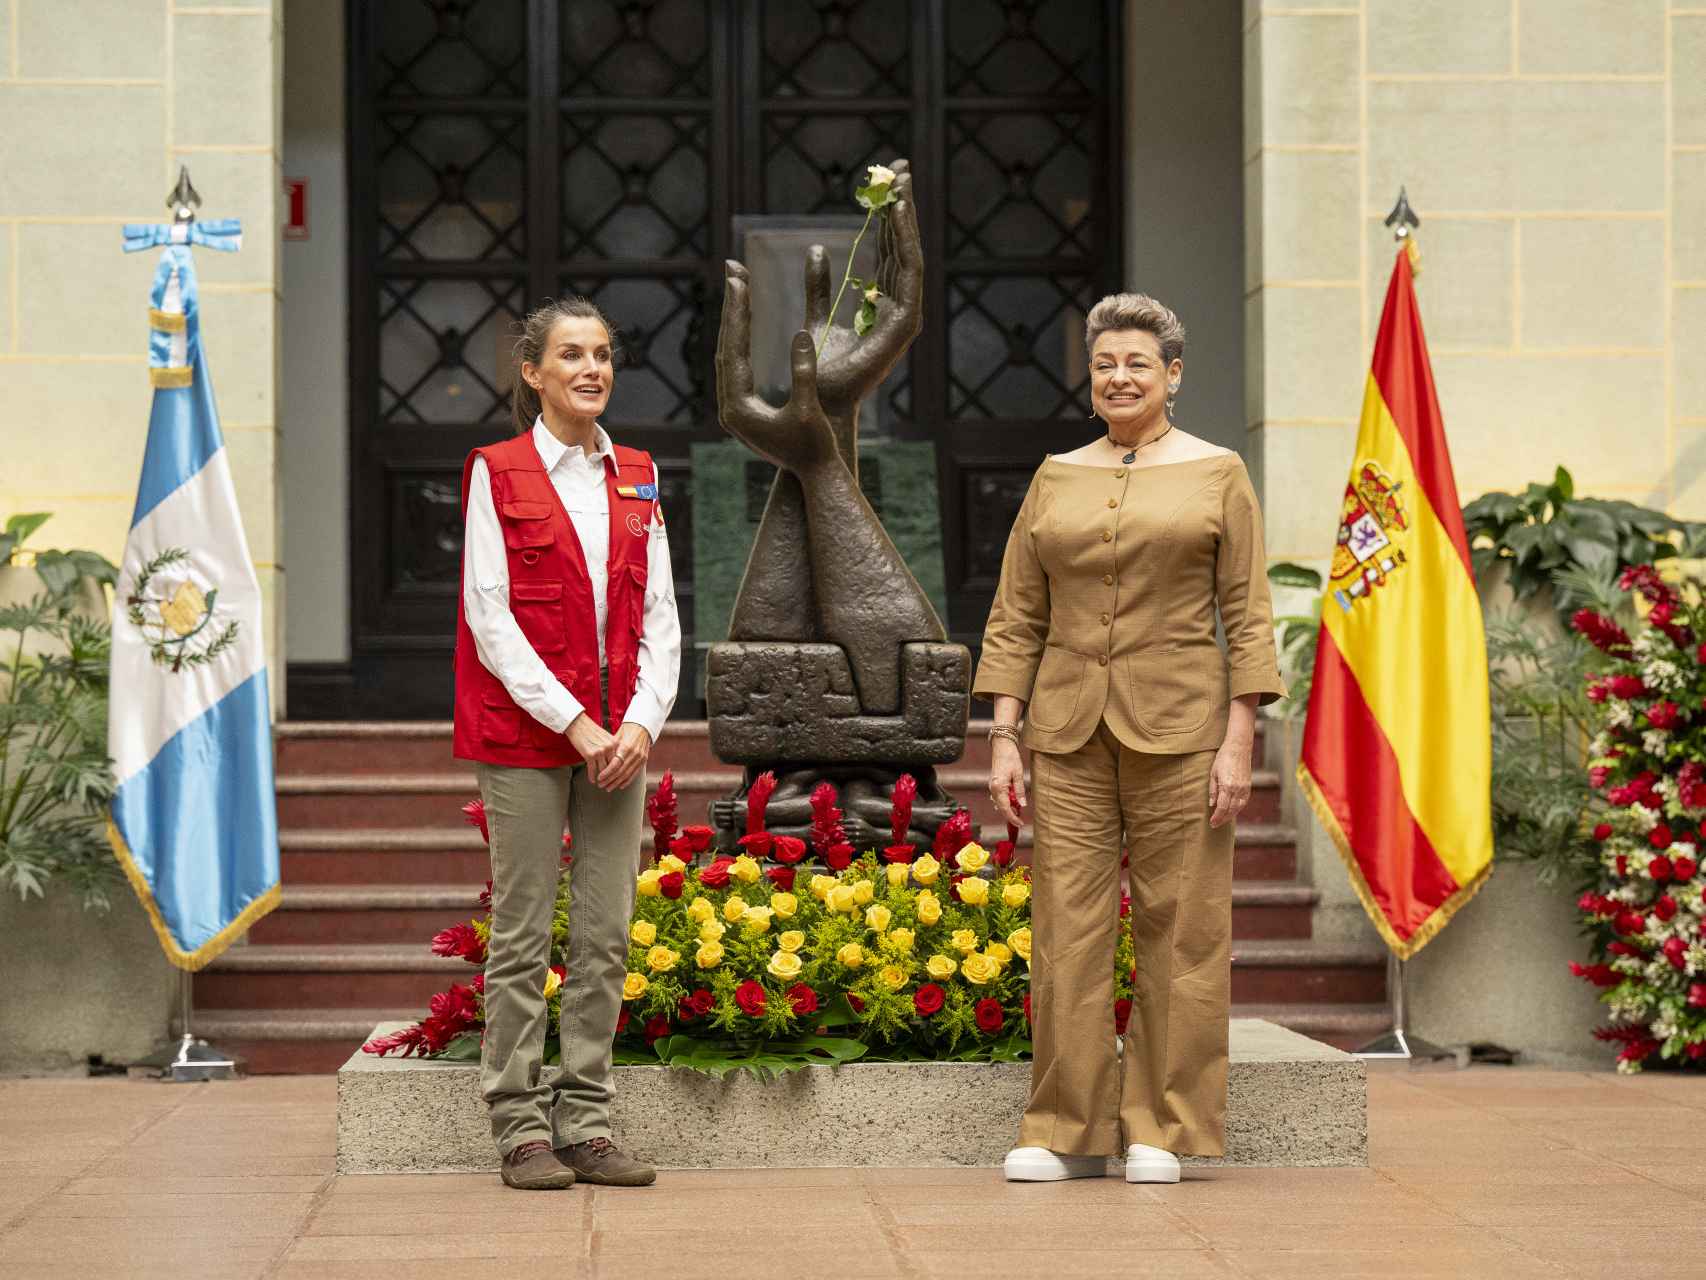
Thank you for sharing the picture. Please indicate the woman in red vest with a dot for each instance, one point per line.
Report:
(568, 649)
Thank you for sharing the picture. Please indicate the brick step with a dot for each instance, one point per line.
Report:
(456, 854)
(294, 1042)
(1344, 1026)
(1306, 971)
(366, 913)
(1269, 909)
(327, 976)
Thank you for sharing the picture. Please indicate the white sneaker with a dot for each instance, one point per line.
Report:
(1149, 1164)
(1039, 1164)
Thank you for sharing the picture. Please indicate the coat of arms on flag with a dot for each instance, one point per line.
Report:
(1372, 520)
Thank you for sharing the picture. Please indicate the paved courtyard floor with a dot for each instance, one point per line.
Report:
(1493, 1172)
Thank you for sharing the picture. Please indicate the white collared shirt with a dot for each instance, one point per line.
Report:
(505, 651)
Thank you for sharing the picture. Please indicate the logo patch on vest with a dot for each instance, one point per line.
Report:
(645, 492)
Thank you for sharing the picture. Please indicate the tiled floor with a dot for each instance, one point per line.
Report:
(1489, 1172)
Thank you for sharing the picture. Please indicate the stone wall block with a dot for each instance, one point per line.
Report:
(1308, 216)
(242, 184)
(103, 404)
(1592, 37)
(1688, 215)
(1313, 362)
(82, 294)
(1441, 36)
(91, 39)
(1688, 334)
(97, 148)
(1466, 284)
(239, 333)
(1304, 469)
(253, 456)
(1308, 70)
(1688, 78)
(222, 80)
(1592, 283)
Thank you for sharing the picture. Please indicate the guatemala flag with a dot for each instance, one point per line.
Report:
(189, 727)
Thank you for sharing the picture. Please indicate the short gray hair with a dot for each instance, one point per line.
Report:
(1136, 311)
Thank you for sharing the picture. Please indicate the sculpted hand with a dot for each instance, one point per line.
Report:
(797, 435)
(624, 764)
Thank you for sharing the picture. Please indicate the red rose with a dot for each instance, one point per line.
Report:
(1122, 1015)
(622, 1022)
(1676, 951)
(750, 997)
(788, 849)
(839, 856)
(1624, 949)
(656, 1029)
(1602, 831)
(1659, 837)
(1697, 1050)
(716, 876)
(990, 1015)
(803, 998)
(1003, 855)
(1027, 1007)
(698, 837)
(671, 884)
(1697, 994)
(1601, 975)
(1626, 686)
(899, 853)
(856, 1002)
(1660, 868)
(782, 878)
(927, 999)
(696, 1005)
(1597, 776)
(1630, 922)
(682, 848)
(757, 844)
(1684, 868)
(1125, 905)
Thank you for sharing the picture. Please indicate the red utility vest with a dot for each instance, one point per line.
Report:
(550, 595)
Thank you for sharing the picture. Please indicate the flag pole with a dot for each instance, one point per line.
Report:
(1398, 1044)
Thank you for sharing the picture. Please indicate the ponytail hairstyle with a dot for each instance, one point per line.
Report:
(530, 347)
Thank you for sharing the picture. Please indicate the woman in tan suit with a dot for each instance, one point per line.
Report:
(1102, 637)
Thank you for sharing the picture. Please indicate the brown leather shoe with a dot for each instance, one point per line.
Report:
(533, 1166)
(599, 1160)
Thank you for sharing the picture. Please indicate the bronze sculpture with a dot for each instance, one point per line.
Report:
(836, 666)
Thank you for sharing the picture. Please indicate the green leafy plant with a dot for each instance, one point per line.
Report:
(55, 777)
(1546, 530)
(1298, 636)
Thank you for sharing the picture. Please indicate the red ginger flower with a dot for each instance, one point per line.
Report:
(460, 940)
(751, 998)
(826, 819)
(474, 814)
(1691, 785)
(758, 800)
(900, 808)
(990, 1015)
(661, 811)
(1601, 975)
(1601, 632)
(410, 1041)
(952, 836)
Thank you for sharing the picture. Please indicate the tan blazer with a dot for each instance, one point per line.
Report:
(1106, 608)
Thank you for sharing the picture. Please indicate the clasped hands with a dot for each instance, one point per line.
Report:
(613, 760)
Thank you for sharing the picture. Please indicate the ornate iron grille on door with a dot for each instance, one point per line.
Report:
(503, 151)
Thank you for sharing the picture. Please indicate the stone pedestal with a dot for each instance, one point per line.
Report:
(1292, 1102)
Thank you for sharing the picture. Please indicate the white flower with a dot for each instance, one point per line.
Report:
(879, 175)
(1663, 676)
(1691, 897)
(1628, 1067)
(1694, 959)
(1663, 1028)
(1644, 818)
(1626, 893)
(1681, 849)
(1653, 742)
(873, 293)
(1618, 715)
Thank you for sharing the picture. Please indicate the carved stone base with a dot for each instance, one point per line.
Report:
(773, 704)
(864, 794)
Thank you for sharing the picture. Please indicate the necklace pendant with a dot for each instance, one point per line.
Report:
(1130, 458)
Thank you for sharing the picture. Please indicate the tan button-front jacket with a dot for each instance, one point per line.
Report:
(1107, 603)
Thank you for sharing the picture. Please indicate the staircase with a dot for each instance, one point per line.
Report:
(377, 859)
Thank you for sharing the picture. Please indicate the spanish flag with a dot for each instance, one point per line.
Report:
(1397, 749)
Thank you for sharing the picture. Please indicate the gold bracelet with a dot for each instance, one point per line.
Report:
(1008, 731)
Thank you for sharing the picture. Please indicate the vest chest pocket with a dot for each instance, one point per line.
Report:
(527, 526)
(538, 610)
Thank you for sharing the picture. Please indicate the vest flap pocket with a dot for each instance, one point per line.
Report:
(527, 524)
(500, 721)
(526, 510)
(534, 592)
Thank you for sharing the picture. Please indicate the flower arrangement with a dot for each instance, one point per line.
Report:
(1647, 768)
(768, 959)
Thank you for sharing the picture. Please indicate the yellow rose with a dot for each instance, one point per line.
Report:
(552, 982)
(929, 908)
(901, 939)
(863, 891)
(648, 883)
(979, 968)
(661, 959)
(974, 892)
(634, 986)
(852, 955)
(757, 919)
(784, 905)
(926, 869)
(710, 954)
(644, 932)
(1015, 894)
(897, 873)
(1020, 941)
(792, 940)
(964, 941)
(971, 857)
(734, 909)
(669, 862)
(998, 952)
(841, 898)
(700, 910)
(892, 976)
(745, 870)
(821, 885)
(940, 967)
(785, 965)
(711, 930)
(878, 917)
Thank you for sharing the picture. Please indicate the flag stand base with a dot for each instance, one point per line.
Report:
(192, 1060)
(1399, 1044)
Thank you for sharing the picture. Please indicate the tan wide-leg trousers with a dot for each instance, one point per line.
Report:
(1168, 1089)
(525, 809)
